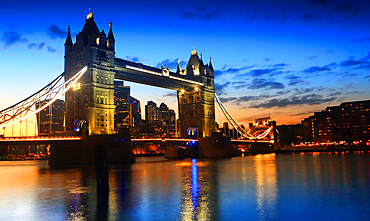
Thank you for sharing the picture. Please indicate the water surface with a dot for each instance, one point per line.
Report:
(261, 187)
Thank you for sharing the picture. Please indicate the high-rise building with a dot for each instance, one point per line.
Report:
(166, 121)
(162, 119)
(153, 115)
(135, 113)
(172, 121)
(350, 121)
(51, 118)
(122, 102)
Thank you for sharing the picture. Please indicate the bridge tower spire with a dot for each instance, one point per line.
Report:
(90, 105)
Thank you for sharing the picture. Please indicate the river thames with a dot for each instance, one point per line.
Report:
(313, 186)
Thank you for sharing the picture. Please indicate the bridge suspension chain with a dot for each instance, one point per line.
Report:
(236, 126)
(23, 109)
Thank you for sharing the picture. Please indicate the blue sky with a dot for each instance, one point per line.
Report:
(284, 59)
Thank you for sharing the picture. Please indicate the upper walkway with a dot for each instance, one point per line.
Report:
(143, 74)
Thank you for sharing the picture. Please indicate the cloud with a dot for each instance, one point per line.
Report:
(366, 39)
(350, 62)
(227, 99)
(11, 38)
(316, 69)
(132, 58)
(243, 99)
(313, 57)
(55, 32)
(301, 113)
(209, 16)
(334, 94)
(351, 9)
(356, 92)
(280, 65)
(227, 70)
(268, 15)
(220, 88)
(171, 94)
(272, 70)
(308, 17)
(295, 80)
(312, 99)
(262, 83)
(267, 59)
(200, 13)
(171, 64)
(36, 46)
(319, 2)
(367, 57)
(330, 51)
(304, 90)
(52, 50)
(239, 84)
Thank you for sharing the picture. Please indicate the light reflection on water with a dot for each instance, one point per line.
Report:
(262, 187)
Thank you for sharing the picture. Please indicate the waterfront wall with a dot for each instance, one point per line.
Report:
(82, 152)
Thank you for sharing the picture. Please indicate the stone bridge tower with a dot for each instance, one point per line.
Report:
(90, 105)
(196, 106)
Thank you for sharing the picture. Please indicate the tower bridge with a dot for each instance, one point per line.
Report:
(89, 104)
(94, 98)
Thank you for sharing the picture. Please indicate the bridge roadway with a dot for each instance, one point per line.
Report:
(52, 139)
(36, 140)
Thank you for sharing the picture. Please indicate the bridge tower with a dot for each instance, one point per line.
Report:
(90, 105)
(196, 106)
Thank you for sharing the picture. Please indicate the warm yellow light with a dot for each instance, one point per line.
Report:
(182, 91)
(97, 41)
(89, 15)
(76, 87)
(196, 89)
(193, 52)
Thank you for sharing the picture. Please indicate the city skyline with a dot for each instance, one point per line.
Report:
(283, 59)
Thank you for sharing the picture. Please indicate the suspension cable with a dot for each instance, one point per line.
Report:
(236, 126)
(22, 108)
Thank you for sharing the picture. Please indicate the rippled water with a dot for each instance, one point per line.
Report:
(262, 187)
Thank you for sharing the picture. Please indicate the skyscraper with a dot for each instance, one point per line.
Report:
(153, 115)
(122, 102)
(50, 119)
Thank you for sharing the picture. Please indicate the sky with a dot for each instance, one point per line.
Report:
(287, 59)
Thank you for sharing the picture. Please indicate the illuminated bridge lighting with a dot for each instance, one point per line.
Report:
(180, 79)
(143, 70)
(164, 140)
(52, 91)
(251, 141)
(7, 139)
(160, 74)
